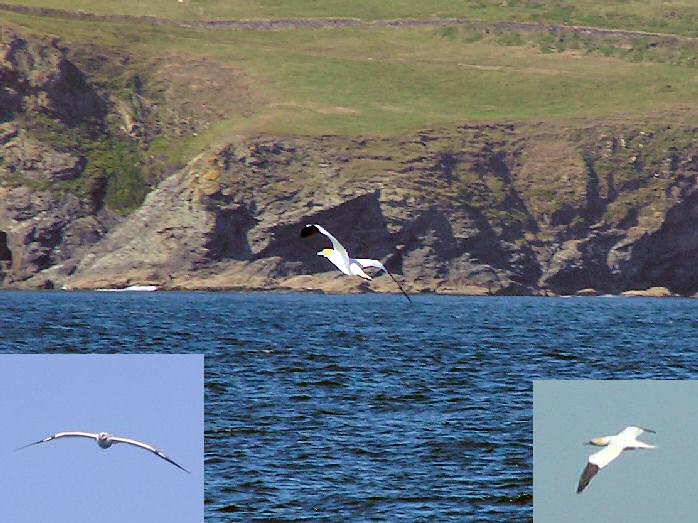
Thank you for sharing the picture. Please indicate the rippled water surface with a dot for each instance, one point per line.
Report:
(367, 408)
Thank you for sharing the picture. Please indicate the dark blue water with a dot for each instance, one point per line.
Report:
(364, 408)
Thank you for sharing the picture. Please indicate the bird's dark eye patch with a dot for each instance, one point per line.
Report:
(308, 230)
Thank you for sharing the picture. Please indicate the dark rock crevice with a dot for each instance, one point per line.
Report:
(584, 266)
(595, 206)
(666, 257)
(228, 239)
(5, 256)
(5, 252)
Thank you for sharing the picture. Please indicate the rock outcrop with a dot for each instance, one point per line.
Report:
(42, 223)
(652, 292)
(37, 76)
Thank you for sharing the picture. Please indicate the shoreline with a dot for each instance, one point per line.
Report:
(648, 293)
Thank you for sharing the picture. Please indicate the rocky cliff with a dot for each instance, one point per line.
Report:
(505, 208)
(485, 209)
(41, 223)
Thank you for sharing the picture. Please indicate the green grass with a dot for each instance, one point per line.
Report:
(672, 16)
(353, 81)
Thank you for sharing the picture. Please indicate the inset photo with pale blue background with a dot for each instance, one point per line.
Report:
(154, 399)
(639, 485)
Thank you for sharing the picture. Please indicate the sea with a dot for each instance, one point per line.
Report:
(366, 407)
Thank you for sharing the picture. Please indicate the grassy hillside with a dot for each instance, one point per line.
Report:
(673, 16)
(383, 81)
(194, 88)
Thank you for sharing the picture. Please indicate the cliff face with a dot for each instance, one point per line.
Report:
(497, 209)
(484, 209)
(37, 76)
(41, 223)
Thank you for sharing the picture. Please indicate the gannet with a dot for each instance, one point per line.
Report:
(339, 256)
(614, 445)
(105, 440)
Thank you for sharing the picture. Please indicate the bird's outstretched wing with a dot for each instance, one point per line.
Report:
(633, 432)
(311, 229)
(152, 449)
(62, 435)
(597, 461)
(365, 262)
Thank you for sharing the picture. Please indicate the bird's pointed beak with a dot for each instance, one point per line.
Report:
(320, 253)
(648, 430)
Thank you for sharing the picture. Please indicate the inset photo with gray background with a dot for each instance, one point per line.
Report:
(108, 438)
(614, 451)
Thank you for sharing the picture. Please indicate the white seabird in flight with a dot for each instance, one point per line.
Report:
(105, 440)
(614, 446)
(339, 256)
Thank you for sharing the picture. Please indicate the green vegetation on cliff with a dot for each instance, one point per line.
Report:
(113, 175)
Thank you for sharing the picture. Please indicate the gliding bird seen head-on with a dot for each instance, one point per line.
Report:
(104, 440)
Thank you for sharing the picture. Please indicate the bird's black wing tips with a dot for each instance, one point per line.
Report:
(170, 460)
(35, 443)
(308, 230)
(400, 287)
(589, 472)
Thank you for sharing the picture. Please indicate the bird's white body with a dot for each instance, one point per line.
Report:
(613, 447)
(106, 440)
(340, 258)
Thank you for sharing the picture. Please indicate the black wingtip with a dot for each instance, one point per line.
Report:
(589, 472)
(308, 230)
(181, 467)
(400, 287)
(29, 445)
(170, 460)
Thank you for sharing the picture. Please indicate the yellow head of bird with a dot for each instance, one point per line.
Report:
(325, 252)
(599, 442)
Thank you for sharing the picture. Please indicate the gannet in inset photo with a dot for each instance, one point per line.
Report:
(339, 256)
(105, 440)
(624, 440)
